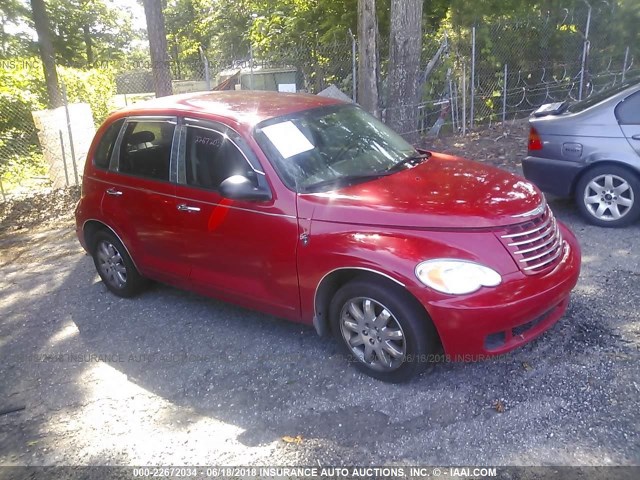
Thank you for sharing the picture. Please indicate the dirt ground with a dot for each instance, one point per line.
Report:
(172, 378)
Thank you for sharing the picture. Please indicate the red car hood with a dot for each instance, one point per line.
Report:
(441, 192)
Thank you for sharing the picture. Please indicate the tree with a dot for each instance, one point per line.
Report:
(89, 31)
(368, 66)
(404, 65)
(158, 47)
(47, 53)
(14, 13)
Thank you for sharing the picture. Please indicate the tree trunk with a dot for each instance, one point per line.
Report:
(88, 43)
(404, 67)
(368, 68)
(158, 47)
(47, 53)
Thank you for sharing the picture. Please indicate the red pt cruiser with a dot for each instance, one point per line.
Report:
(312, 210)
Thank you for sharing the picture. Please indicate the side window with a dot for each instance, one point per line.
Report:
(628, 111)
(104, 150)
(211, 157)
(146, 149)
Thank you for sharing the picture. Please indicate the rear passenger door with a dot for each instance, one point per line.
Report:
(139, 199)
(628, 115)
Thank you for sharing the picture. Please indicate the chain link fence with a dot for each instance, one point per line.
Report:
(469, 78)
(506, 69)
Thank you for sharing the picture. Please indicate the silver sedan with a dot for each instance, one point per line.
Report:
(590, 150)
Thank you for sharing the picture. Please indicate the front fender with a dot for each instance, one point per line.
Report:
(388, 251)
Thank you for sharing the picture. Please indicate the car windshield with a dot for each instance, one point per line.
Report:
(592, 100)
(324, 148)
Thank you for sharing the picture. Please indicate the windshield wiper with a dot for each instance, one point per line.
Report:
(411, 160)
(345, 181)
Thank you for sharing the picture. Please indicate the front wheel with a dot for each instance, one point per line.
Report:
(383, 329)
(609, 196)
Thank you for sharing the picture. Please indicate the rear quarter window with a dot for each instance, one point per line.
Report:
(628, 110)
(104, 150)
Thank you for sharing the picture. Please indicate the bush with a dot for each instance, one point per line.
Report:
(95, 87)
(23, 90)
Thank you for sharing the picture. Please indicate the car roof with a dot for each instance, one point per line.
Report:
(240, 106)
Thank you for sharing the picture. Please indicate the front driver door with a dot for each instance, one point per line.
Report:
(242, 251)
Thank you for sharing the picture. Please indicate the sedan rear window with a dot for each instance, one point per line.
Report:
(599, 97)
(628, 111)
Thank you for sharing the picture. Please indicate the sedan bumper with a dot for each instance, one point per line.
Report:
(496, 320)
(552, 176)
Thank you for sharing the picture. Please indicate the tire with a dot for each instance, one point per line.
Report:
(609, 196)
(114, 265)
(403, 341)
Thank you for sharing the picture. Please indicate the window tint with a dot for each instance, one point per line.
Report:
(628, 111)
(146, 149)
(105, 147)
(212, 157)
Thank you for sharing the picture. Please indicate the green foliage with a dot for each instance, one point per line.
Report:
(95, 87)
(22, 91)
(14, 14)
(22, 166)
(89, 32)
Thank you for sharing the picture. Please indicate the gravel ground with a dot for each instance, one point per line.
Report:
(173, 378)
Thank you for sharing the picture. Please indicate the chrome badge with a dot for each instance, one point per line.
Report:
(532, 213)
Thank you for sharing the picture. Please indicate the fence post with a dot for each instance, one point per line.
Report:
(4, 197)
(585, 50)
(504, 96)
(624, 66)
(354, 67)
(71, 148)
(451, 102)
(64, 159)
(251, 66)
(205, 62)
(473, 72)
(464, 99)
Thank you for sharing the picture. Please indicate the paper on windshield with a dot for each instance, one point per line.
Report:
(288, 139)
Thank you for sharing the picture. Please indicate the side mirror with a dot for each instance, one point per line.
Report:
(239, 187)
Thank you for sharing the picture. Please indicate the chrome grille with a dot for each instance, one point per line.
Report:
(536, 245)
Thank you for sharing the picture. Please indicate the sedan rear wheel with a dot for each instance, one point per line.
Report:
(608, 196)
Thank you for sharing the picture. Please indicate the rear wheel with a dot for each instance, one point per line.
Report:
(609, 196)
(115, 267)
(383, 329)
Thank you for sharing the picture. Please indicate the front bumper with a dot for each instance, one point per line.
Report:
(552, 176)
(496, 320)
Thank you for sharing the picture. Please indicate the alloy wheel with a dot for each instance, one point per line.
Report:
(373, 334)
(608, 197)
(111, 265)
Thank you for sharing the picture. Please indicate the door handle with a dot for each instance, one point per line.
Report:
(114, 192)
(636, 137)
(186, 208)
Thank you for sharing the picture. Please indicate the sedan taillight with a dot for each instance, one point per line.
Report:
(535, 143)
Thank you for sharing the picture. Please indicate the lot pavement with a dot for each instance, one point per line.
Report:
(172, 378)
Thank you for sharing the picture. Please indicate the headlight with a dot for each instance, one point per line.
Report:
(456, 276)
